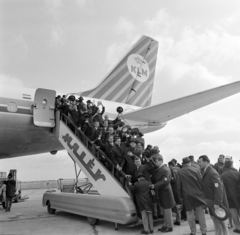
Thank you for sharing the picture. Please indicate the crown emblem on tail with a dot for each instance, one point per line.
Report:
(139, 60)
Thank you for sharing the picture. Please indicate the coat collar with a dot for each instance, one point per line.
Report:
(160, 167)
(207, 170)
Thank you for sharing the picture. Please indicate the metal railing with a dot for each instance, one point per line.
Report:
(99, 154)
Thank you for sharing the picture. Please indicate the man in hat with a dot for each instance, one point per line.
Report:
(163, 186)
(10, 191)
(82, 107)
(214, 190)
(227, 165)
(190, 193)
(193, 163)
(143, 197)
(140, 139)
(231, 181)
(131, 152)
(146, 154)
(58, 102)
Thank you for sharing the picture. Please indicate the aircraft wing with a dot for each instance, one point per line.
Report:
(175, 108)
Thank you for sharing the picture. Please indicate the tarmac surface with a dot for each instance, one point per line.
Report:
(30, 217)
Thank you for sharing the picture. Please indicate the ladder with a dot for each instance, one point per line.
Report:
(87, 157)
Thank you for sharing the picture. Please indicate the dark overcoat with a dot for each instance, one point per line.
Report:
(174, 172)
(10, 187)
(213, 187)
(118, 154)
(141, 191)
(224, 168)
(218, 165)
(163, 186)
(231, 181)
(190, 189)
(144, 169)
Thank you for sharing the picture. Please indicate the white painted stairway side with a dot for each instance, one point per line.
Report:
(101, 178)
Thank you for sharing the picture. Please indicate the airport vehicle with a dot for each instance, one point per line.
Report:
(112, 200)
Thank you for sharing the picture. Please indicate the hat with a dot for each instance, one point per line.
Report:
(133, 140)
(71, 98)
(154, 151)
(171, 163)
(80, 98)
(140, 133)
(140, 175)
(89, 101)
(174, 160)
(156, 155)
(228, 158)
(185, 160)
(86, 115)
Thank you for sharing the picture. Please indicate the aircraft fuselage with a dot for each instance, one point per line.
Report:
(20, 137)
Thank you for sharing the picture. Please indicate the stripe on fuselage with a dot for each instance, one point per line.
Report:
(22, 105)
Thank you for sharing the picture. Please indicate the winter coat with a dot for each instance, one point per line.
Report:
(163, 186)
(174, 172)
(141, 191)
(213, 187)
(10, 187)
(118, 155)
(144, 169)
(190, 189)
(218, 165)
(231, 181)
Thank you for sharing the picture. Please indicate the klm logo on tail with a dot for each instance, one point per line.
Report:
(138, 67)
(131, 80)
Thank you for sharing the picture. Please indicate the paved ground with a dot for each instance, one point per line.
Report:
(30, 217)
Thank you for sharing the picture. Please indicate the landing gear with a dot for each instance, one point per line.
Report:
(92, 221)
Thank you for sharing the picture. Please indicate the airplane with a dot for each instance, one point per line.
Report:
(27, 115)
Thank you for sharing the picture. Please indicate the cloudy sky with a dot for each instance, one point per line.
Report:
(70, 46)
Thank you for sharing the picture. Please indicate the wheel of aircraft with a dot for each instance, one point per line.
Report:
(92, 221)
(50, 210)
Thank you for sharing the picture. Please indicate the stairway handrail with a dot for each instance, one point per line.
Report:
(97, 151)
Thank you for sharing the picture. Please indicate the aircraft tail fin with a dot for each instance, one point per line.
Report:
(131, 80)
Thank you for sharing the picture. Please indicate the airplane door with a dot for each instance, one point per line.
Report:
(43, 109)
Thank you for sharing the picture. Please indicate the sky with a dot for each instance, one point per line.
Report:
(69, 46)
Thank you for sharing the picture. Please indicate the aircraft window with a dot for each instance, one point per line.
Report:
(12, 107)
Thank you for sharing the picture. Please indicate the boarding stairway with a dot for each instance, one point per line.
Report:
(89, 159)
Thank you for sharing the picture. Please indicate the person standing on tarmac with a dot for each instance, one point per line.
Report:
(231, 181)
(10, 191)
(174, 172)
(144, 202)
(214, 190)
(162, 185)
(190, 192)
